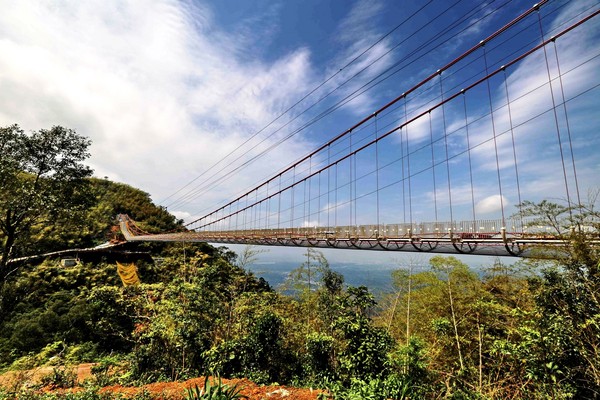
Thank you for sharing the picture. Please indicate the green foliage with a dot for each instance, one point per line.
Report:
(105, 370)
(266, 355)
(60, 378)
(42, 183)
(302, 281)
(409, 362)
(57, 305)
(392, 387)
(564, 345)
(90, 393)
(214, 391)
(568, 342)
(443, 332)
(260, 355)
(177, 327)
(373, 389)
(95, 224)
(365, 345)
(320, 356)
(118, 198)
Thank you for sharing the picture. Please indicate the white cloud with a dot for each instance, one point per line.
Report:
(162, 93)
(537, 154)
(491, 204)
(311, 224)
(182, 215)
(357, 32)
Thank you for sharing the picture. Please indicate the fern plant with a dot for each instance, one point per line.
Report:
(215, 391)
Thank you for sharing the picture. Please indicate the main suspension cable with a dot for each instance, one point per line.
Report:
(369, 85)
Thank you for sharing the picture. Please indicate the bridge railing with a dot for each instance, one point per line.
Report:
(479, 229)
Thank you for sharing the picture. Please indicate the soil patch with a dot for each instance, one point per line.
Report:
(159, 390)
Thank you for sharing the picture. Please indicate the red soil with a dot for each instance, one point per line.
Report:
(162, 390)
(176, 390)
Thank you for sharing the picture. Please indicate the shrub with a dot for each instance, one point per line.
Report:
(218, 391)
(60, 377)
(319, 349)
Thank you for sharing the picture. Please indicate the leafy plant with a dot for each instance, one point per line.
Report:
(104, 371)
(90, 393)
(320, 348)
(365, 390)
(60, 377)
(218, 391)
(42, 182)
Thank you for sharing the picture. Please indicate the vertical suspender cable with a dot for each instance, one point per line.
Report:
(307, 195)
(304, 221)
(554, 106)
(309, 182)
(446, 145)
(564, 102)
(256, 220)
(229, 220)
(293, 190)
(355, 173)
(489, 89)
(433, 170)
(464, 96)
(244, 224)
(319, 203)
(402, 158)
(267, 209)
(335, 207)
(410, 213)
(279, 205)
(514, 147)
(249, 214)
(237, 217)
(351, 183)
(377, 173)
(328, 186)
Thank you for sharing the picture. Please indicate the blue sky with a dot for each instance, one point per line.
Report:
(167, 89)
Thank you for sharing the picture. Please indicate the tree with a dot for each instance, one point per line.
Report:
(447, 266)
(564, 355)
(399, 301)
(365, 346)
(42, 181)
(303, 280)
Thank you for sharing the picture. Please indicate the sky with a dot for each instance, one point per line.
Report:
(183, 98)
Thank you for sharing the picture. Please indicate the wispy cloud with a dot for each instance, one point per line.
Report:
(160, 90)
(491, 204)
(356, 33)
(531, 122)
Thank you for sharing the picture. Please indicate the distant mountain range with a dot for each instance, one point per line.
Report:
(376, 277)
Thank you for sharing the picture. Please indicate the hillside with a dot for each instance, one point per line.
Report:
(195, 310)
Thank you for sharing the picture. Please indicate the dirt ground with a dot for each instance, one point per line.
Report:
(34, 376)
(160, 390)
(176, 390)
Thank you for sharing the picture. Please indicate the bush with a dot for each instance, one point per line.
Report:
(319, 348)
(60, 378)
(105, 371)
(218, 391)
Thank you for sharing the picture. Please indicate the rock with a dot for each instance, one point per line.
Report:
(281, 392)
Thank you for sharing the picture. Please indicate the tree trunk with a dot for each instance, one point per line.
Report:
(460, 358)
(480, 340)
(408, 306)
(393, 312)
(7, 248)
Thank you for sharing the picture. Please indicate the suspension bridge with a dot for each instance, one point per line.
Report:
(446, 165)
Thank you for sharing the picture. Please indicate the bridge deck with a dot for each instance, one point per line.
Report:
(500, 243)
